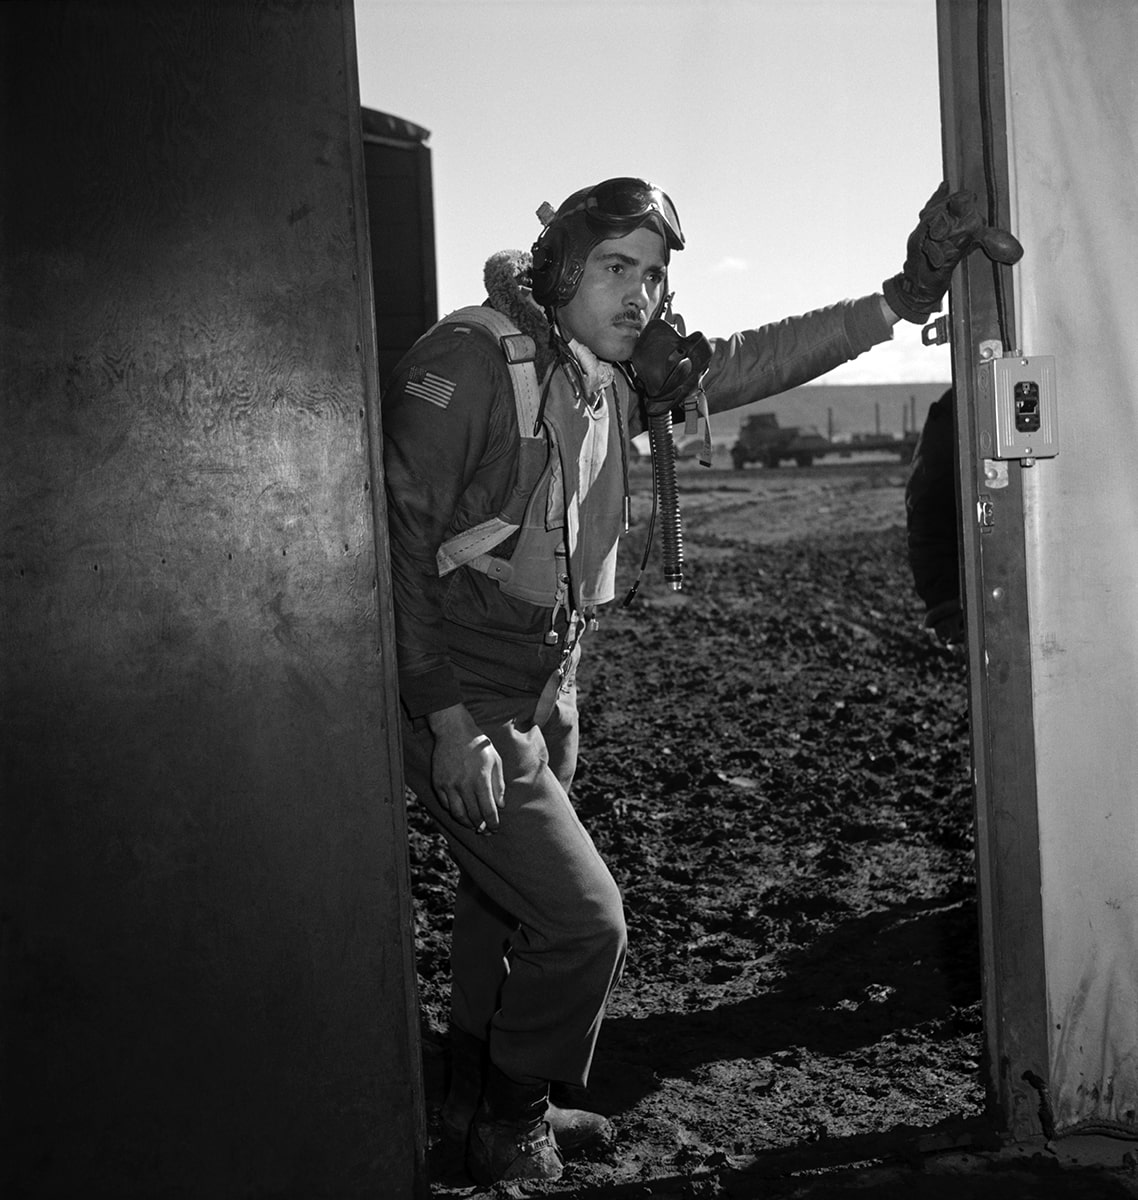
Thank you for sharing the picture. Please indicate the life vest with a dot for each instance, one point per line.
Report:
(567, 503)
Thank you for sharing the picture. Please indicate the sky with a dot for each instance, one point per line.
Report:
(798, 139)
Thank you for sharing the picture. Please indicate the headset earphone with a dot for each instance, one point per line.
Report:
(559, 261)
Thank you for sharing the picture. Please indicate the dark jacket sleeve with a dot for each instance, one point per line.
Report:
(763, 362)
(449, 440)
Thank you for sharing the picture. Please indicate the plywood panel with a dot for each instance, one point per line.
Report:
(206, 960)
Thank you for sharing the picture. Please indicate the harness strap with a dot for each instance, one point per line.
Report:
(469, 546)
(472, 546)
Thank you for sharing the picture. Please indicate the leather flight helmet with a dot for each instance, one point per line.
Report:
(610, 209)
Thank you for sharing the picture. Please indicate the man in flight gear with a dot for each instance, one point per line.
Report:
(506, 432)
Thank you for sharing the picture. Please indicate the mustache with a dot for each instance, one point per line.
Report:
(631, 316)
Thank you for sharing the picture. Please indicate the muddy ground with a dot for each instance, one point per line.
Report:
(775, 764)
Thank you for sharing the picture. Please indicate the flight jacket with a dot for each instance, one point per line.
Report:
(450, 462)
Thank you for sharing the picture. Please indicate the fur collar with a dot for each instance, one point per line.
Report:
(507, 279)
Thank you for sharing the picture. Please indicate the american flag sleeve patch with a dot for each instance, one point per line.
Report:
(429, 386)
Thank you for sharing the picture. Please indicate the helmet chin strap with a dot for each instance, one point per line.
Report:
(592, 374)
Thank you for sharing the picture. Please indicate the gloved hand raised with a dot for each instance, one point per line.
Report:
(668, 367)
(949, 229)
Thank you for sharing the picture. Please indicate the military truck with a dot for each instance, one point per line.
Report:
(763, 440)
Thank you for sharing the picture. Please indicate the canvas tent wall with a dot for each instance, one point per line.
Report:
(1051, 552)
(1073, 143)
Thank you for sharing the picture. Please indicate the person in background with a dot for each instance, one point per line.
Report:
(506, 431)
(932, 524)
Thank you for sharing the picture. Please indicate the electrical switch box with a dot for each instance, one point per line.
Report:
(1021, 395)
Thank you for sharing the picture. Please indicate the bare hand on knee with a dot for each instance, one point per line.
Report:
(466, 770)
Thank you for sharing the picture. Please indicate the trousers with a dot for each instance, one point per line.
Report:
(539, 937)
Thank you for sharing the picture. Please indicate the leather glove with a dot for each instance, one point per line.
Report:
(668, 367)
(949, 229)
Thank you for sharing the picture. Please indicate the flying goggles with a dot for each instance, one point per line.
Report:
(624, 204)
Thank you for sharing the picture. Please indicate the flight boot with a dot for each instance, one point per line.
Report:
(469, 1067)
(510, 1139)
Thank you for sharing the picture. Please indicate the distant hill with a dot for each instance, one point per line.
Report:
(837, 409)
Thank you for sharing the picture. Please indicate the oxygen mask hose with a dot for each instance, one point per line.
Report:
(668, 366)
(663, 448)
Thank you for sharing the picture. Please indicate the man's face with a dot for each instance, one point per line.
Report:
(621, 287)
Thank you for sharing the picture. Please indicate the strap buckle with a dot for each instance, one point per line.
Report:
(518, 348)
